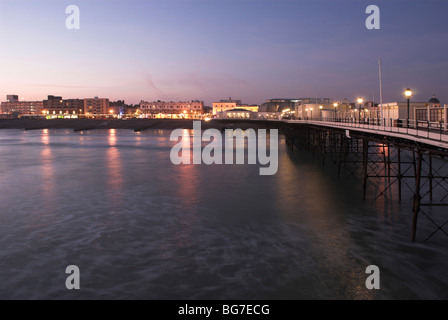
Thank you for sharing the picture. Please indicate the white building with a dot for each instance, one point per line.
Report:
(239, 114)
(230, 104)
(174, 110)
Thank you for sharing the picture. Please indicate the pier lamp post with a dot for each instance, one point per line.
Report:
(335, 105)
(408, 94)
(311, 113)
(360, 103)
(320, 112)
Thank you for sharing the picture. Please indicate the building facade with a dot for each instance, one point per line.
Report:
(14, 106)
(12, 98)
(169, 109)
(231, 104)
(276, 108)
(97, 107)
(306, 108)
(224, 105)
(238, 114)
(422, 111)
(56, 107)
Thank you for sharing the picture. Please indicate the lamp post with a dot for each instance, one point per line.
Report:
(408, 94)
(359, 114)
(311, 113)
(335, 105)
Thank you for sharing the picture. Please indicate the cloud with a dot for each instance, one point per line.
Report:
(153, 88)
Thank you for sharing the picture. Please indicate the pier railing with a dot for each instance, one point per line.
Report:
(436, 131)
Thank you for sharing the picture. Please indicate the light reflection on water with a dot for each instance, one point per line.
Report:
(139, 227)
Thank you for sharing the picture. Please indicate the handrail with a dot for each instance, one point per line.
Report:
(436, 131)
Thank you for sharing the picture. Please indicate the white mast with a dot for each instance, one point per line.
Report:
(381, 93)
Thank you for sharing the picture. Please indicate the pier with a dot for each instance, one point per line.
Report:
(390, 157)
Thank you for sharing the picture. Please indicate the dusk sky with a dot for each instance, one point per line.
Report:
(210, 50)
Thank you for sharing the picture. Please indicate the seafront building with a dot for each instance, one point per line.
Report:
(236, 114)
(324, 108)
(56, 107)
(231, 104)
(14, 107)
(172, 110)
(276, 109)
(97, 107)
(307, 108)
(431, 111)
(273, 109)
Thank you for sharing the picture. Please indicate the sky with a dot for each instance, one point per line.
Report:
(209, 50)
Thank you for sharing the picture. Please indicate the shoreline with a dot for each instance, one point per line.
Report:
(131, 124)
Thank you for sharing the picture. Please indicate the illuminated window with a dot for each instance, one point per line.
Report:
(422, 114)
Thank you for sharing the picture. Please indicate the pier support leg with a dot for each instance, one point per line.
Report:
(417, 196)
(430, 178)
(399, 173)
(365, 159)
(341, 154)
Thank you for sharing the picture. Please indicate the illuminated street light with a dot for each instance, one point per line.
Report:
(335, 105)
(360, 100)
(408, 94)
